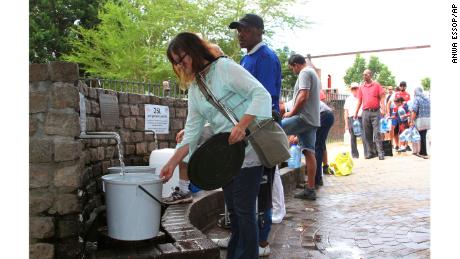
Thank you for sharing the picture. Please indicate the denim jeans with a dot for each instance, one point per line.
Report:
(327, 119)
(305, 133)
(240, 197)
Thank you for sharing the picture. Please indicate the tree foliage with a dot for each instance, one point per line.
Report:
(50, 22)
(426, 83)
(381, 72)
(355, 72)
(131, 39)
(288, 77)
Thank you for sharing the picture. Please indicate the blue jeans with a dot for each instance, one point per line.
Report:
(305, 133)
(327, 119)
(240, 197)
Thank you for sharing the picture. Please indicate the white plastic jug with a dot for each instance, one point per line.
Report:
(131, 213)
(158, 158)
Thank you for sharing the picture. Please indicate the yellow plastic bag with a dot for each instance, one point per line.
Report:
(343, 164)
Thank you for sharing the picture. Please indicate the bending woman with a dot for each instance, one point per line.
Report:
(249, 100)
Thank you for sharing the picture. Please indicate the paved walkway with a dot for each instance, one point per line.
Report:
(381, 210)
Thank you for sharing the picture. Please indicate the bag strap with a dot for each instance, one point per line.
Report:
(211, 98)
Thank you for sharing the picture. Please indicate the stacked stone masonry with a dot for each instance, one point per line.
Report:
(64, 170)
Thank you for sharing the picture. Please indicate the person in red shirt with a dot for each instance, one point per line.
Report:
(402, 93)
(372, 97)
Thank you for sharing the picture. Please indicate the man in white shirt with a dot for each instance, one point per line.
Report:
(349, 107)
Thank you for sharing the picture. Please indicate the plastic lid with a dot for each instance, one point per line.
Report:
(131, 178)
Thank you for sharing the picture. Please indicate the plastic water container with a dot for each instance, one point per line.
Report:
(406, 135)
(415, 135)
(131, 213)
(401, 113)
(158, 158)
(384, 125)
(294, 160)
(357, 128)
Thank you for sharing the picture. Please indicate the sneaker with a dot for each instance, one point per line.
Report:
(306, 194)
(408, 148)
(264, 251)
(396, 147)
(402, 149)
(178, 196)
(222, 242)
(328, 170)
(222, 223)
(381, 157)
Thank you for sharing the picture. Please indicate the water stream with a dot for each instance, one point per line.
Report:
(120, 154)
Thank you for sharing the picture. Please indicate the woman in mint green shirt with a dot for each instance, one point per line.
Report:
(249, 100)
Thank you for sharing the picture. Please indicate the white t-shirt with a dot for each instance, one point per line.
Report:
(350, 104)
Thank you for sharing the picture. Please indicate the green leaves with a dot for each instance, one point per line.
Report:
(381, 73)
(50, 22)
(355, 72)
(131, 39)
(426, 83)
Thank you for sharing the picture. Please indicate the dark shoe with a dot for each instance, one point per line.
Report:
(408, 148)
(381, 157)
(223, 224)
(371, 156)
(307, 194)
(328, 170)
(319, 183)
(178, 196)
(397, 147)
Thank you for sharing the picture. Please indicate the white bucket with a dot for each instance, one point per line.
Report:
(158, 158)
(132, 169)
(131, 213)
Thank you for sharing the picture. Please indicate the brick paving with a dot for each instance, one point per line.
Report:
(381, 210)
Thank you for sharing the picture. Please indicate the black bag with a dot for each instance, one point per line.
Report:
(387, 149)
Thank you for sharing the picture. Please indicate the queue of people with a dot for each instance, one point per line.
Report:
(396, 106)
(252, 90)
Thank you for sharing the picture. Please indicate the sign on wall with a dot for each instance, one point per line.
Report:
(157, 118)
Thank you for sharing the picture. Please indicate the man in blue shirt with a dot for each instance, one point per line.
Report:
(264, 65)
(260, 60)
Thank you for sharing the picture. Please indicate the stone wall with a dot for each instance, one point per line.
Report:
(65, 171)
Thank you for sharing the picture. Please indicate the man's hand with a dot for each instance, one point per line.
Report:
(287, 115)
(292, 139)
(355, 117)
(180, 136)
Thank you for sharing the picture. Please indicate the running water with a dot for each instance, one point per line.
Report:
(120, 154)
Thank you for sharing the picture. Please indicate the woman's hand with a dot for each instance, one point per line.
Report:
(167, 171)
(180, 136)
(238, 133)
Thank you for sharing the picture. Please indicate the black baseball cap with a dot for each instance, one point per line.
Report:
(249, 20)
